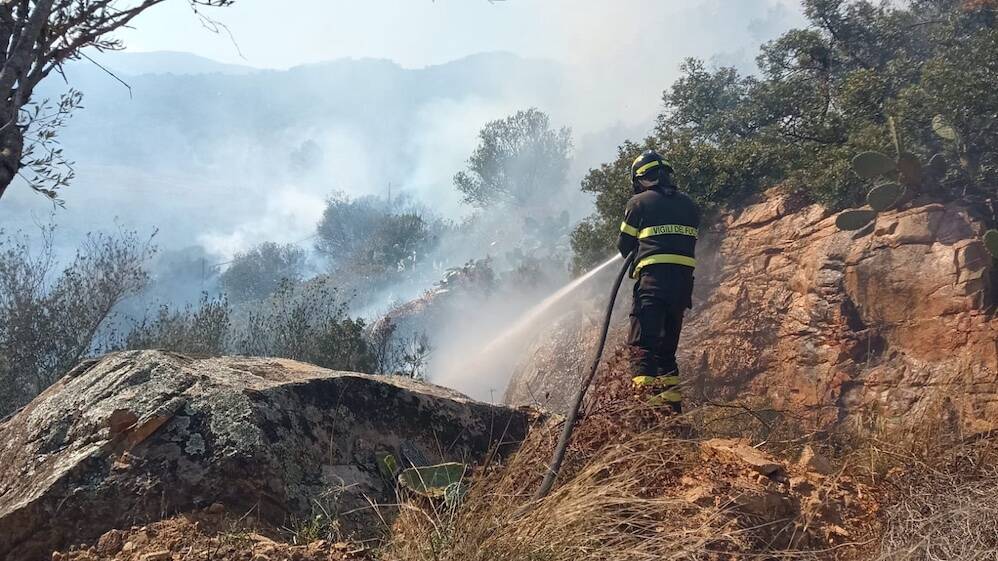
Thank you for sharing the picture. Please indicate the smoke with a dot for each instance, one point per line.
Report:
(507, 325)
(287, 215)
(623, 55)
(221, 158)
(445, 132)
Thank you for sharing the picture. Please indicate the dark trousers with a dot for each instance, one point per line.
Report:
(656, 322)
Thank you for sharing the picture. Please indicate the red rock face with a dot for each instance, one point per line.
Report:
(808, 316)
(897, 318)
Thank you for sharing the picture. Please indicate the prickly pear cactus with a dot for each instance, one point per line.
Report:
(870, 165)
(991, 242)
(854, 219)
(432, 481)
(883, 197)
(909, 169)
(387, 465)
(942, 128)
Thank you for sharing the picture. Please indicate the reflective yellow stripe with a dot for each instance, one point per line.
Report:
(671, 396)
(641, 381)
(666, 381)
(647, 167)
(655, 381)
(663, 258)
(668, 229)
(628, 229)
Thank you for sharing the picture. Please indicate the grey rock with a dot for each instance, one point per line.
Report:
(140, 435)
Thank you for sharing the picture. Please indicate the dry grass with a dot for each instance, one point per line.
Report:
(924, 493)
(940, 489)
(939, 516)
(603, 511)
(937, 486)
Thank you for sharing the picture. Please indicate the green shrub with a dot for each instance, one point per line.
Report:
(51, 318)
(823, 94)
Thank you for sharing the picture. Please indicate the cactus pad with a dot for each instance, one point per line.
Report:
(884, 196)
(432, 481)
(854, 219)
(942, 128)
(991, 242)
(910, 169)
(869, 165)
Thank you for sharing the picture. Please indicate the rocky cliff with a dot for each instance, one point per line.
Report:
(895, 318)
(139, 435)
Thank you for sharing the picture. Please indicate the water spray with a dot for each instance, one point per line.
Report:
(566, 434)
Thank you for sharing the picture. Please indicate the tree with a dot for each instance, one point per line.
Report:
(258, 272)
(823, 95)
(370, 240)
(48, 321)
(306, 322)
(200, 330)
(39, 36)
(520, 160)
(347, 225)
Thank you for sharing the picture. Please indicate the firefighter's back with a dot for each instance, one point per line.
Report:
(667, 245)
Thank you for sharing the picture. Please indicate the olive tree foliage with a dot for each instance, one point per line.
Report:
(307, 322)
(822, 95)
(202, 330)
(52, 317)
(519, 160)
(259, 271)
(516, 179)
(38, 37)
(373, 241)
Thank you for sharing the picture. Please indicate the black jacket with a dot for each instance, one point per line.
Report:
(662, 225)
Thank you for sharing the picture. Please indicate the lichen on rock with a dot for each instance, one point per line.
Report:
(141, 434)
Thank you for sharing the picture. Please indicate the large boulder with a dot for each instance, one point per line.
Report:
(138, 435)
(897, 318)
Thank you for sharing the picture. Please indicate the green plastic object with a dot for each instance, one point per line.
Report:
(942, 128)
(910, 169)
(432, 481)
(854, 219)
(991, 242)
(870, 165)
(883, 197)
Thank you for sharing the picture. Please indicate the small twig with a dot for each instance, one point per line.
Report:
(108, 72)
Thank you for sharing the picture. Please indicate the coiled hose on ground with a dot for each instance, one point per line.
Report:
(566, 434)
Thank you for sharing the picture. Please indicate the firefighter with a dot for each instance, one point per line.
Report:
(660, 224)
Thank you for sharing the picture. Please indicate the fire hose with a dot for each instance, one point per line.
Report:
(566, 434)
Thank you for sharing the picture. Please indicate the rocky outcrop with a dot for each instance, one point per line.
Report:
(896, 318)
(139, 435)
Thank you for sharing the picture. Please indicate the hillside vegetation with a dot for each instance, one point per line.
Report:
(824, 94)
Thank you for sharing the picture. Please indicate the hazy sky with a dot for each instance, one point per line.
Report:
(420, 32)
(621, 54)
(618, 57)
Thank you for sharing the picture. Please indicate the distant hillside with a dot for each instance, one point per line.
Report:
(165, 62)
(203, 150)
(174, 118)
